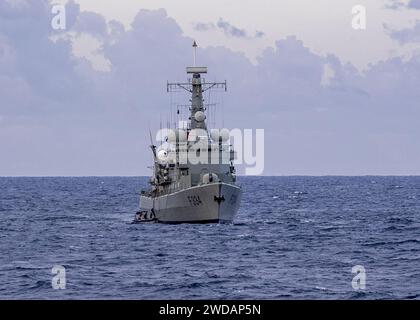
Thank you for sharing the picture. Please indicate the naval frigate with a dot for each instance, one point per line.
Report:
(194, 178)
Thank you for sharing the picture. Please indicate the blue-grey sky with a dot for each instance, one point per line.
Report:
(332, 100)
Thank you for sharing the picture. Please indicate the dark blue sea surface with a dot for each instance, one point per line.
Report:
(294, 238)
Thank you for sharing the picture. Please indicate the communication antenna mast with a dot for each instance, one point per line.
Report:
(196, 86)
(194, 53)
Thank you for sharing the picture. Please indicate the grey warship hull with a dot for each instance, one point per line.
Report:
(209, 203)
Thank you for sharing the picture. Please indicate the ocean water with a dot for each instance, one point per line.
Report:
(294, 238)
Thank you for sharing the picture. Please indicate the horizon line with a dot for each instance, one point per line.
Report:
(240, 176)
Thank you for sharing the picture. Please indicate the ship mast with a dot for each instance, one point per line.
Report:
(196, 86)
(197, 117)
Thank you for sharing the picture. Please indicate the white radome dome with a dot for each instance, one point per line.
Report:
(200, 116)
(162, 155)
(171, 136)
(225, 133)
(216, 134)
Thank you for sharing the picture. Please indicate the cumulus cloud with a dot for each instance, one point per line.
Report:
(395, 4)
(200, 26)
(398, 4)
(92, 23)
(228, 29)
(407, 35)
(259, 34)
(44, 68)
(231, 30)
(60, 116)
(414, 4)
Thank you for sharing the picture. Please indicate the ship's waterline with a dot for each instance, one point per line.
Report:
(211, 203)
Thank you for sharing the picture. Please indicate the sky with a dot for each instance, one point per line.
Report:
(332, 100)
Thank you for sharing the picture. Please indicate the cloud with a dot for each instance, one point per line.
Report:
(414, 4)
(62, 117)
(231, 30)
(45, 69)
(91, 23)
(398, 5)
(204, 26)
(259, 34)
(228, 29)
(395, 5)
(408, 35)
